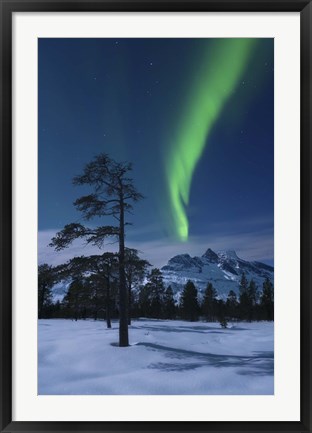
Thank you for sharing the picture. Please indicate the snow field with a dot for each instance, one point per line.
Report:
(165, 357)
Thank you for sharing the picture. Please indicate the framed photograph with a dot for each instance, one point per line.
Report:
(155, 216)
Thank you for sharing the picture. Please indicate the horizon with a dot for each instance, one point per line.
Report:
(157, 253)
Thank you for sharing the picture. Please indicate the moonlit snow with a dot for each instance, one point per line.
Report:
(165, 357)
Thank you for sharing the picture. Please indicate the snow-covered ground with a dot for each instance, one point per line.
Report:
(165, 357)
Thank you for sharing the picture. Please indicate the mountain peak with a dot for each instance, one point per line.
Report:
(211, 256)
(183, 261)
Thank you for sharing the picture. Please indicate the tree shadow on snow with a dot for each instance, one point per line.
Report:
(261, 363)
(190, 329)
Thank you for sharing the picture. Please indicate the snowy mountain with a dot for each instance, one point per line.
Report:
(59, 291)
(223, 269)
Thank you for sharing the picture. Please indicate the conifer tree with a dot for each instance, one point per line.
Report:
(169, 304)
(46, 280)
(156, 292)
(144, 301)
(189, 302)
(112, 195)
(76, 299)
(98, 298)
(244, 303)
(252, 299)
(232, 305)
(209, 305)
(267, 300)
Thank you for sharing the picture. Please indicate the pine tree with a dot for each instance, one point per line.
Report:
(105, 272)
(76, 299)
(209, 305)
(189, 302)
(252, 299)
(243, 284)
(97, 297)
(244, 303)
(156, 292)
(113, 195)
(221, 311)
(169, 304)
(144, 301)
(46, 280)
(232, 305)
(267, 300)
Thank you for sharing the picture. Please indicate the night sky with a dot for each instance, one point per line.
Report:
(196, 119)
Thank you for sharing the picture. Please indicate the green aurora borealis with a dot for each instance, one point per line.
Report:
(214, 82)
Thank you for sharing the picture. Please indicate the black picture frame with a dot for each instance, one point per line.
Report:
(7, 9)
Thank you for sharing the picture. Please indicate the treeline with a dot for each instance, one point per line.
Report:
(153, 300)
(93, 293)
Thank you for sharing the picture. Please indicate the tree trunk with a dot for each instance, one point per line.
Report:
(123, 295)
(108, 315)
(129, 304)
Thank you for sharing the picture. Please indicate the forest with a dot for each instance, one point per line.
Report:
(92, 293)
